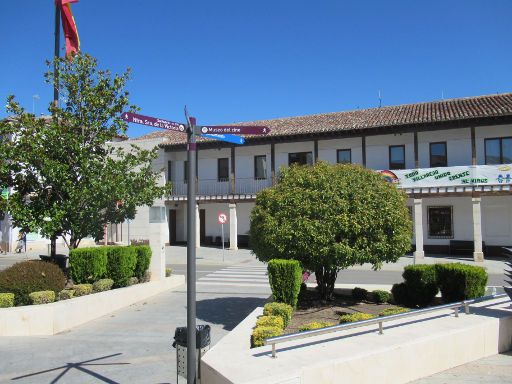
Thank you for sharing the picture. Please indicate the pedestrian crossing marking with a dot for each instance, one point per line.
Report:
(237, 276)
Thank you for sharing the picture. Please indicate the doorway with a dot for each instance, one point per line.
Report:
(202, 226)
(172, 226)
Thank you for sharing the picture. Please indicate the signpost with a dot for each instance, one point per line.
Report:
(220, 132)
(223, 219)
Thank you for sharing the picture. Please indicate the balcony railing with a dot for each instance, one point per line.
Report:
(459, 176)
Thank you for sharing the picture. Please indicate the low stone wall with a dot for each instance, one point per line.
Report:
(408, 350)
(49, 319)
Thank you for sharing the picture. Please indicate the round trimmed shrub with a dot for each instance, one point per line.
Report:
(66, 294)
(31, 276)
(82, 289)
(259, 335)
(102, 285)
(359, 294)
(42, 297)
(279, 309)
(380, 296)
(270, 321)
(6, 300)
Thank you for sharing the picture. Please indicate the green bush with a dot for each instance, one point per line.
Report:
(400, 296)
(379, 296)
(42, 297)
(168, 272)
(147, 276)
(88, 264)
(461, 281)
(315, 325)
(356, 316)
(6, 300)
(279, 309)
(121, 262)
(393, 311)
(359, 294)
(270, 321)
(132, 281)
(31, 276)
(82, 289)
(102, 285)
(143, 260)
(421, 284)
(66, 294)
(285, 278)
(259, 334)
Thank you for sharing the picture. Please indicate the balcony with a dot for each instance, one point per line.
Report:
(441, 179)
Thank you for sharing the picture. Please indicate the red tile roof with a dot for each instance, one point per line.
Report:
(392, 116)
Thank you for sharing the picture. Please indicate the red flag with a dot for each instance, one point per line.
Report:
(69, 26)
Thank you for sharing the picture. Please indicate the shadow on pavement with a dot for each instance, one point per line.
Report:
(227, 311)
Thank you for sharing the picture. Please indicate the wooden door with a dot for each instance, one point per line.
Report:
(172, 226)
(202, 226)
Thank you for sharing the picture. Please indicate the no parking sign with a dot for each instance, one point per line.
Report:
(222, 218)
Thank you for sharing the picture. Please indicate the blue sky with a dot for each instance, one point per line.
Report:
(235, 61)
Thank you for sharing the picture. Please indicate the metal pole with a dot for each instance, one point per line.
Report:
(191, 252)
(129, 232)
(222, 225)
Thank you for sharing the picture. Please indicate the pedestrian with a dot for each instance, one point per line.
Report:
(20, 243)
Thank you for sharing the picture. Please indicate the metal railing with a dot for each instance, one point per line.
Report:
(209, 187)
(378, 320)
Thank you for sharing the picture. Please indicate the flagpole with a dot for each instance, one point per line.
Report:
(53, 239)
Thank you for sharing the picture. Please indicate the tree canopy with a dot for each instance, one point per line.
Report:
(330, 217)
(67, 177)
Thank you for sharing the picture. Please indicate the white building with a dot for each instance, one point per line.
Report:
(452, 157)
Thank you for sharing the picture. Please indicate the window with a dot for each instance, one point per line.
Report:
(440, 222)
(344, 156)
(157, 214)
(185, 171)
(498, 151)
(397, 157)
(223, 169)
(300, 158)
(260, 167)
(169, 171)
(438, 157)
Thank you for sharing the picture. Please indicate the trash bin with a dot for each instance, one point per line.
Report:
(180, 343)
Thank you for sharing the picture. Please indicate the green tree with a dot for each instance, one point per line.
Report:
(330, 217)
(67, 177)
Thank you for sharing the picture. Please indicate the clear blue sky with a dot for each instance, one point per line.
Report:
(233, 60)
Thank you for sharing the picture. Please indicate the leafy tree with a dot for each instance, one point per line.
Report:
(67, 178)
(330, 217)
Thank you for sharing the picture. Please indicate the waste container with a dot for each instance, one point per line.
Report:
(180, 343)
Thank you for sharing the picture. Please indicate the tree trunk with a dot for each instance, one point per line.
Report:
(325, 278)
(53, 246)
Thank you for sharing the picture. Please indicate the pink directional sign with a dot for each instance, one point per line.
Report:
(152, 122)
(231, 129)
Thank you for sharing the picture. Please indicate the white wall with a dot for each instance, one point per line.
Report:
(497, 220)
(458, 146)
(327, 149)
(377, 149)
(482, 133)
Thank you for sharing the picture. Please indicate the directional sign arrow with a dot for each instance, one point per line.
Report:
(240, 130)
(153, 122)
(228, 138)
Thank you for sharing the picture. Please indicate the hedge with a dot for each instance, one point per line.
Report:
(356, 316)
(31, 276)
(461, 281)
(143, 260)
(88, 264)
(121, 262)
(102, 285)
(285, 278)
(279, 309)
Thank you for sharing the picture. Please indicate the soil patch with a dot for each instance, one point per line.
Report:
(311, 308)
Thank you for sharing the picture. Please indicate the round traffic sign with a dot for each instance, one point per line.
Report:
(223, 218)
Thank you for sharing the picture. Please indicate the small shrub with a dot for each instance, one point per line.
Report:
(82, 289)
(400, 296)
(285, 278)
(31, 276)
(380, 296)
(143, 260)
(42, 297)
(421, 284)
(147, 277)
(393, 311)
(88, 264)
(132, 281)
(356, 316)
(270, 321)
(259, 334)
(102, 285)
(315, 325)
(66, 294)
(461, 281)
(6, 300)
(359, 294)
(121, 262)
(168, 272)
(279, 309)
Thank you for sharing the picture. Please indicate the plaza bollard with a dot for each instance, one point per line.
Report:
(180, 343)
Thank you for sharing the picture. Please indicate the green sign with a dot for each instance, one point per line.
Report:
(5, 193)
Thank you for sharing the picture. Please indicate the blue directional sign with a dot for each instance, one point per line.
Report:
(225, 137)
